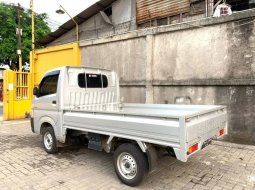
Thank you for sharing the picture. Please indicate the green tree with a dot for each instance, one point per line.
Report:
(8, 37)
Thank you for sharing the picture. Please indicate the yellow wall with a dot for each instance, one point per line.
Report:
(53, 57)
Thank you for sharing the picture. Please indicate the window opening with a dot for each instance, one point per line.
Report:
(239, 5)
(108, 11)
(92, 80)
(48, 85)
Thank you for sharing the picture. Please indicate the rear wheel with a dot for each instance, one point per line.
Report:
(130, 164)
(49, 140)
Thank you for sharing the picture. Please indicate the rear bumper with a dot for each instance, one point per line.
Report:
(207, 139)
(32, 124)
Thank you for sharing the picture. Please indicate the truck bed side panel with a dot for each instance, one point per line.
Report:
(150, 129)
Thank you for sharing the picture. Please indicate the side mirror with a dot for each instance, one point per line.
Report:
(36, 91)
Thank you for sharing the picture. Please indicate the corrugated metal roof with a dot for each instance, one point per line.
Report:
(154, 9)
(80, 18)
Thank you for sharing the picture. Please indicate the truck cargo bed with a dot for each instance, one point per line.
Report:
(165, 125)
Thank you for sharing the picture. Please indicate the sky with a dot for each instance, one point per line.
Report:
(73, 7)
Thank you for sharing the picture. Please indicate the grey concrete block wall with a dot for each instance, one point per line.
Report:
(209, 61)
(241, 49)
(133, 94)
(127, 57)
(191, 54)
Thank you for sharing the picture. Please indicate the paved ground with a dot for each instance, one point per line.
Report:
(25, 165)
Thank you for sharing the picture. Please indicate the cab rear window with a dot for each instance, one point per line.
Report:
(90, 80)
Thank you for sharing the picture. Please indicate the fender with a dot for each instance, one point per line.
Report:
(47, 119)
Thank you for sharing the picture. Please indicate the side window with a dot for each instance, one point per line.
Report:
(92, 80)
(48, 85)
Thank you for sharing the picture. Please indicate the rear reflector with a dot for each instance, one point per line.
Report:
(221, 132)
(193, 148)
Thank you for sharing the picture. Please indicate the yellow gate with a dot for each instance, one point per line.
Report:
(18, 86)
(17, 95)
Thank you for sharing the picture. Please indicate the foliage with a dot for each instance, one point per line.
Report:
(8, 37)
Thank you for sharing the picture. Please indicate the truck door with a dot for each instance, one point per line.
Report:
(46, 103)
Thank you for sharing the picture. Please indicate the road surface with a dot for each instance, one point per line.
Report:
(25, 165)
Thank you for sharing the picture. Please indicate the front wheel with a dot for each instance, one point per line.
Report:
(49, 141)
(130, 164)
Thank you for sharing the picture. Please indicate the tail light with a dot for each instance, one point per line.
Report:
(221, 132)
(193, 148)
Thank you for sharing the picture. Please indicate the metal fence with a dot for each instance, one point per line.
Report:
(22, 85)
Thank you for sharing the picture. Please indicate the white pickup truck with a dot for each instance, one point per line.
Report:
(80, 102)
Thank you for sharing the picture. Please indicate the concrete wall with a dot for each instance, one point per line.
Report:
(127, 57)
(209, 61)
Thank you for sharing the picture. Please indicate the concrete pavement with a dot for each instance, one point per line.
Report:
(25, 165)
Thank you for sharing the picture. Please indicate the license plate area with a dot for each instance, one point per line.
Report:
(206, 143)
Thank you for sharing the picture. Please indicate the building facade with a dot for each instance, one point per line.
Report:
(113, 17)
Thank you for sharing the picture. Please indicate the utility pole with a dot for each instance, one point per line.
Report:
(19, 33)
(32, 53)
(33, 25)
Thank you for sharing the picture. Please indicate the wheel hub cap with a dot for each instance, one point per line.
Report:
(127, 165)
(48, 140)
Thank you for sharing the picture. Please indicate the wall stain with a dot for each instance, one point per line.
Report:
(240, 51)
(240, 102)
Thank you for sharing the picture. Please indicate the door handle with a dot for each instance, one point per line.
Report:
(54, 102)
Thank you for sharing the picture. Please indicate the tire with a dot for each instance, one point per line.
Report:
(49, 140)
(130, 164)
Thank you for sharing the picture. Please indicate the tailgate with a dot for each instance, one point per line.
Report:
(201, 128)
